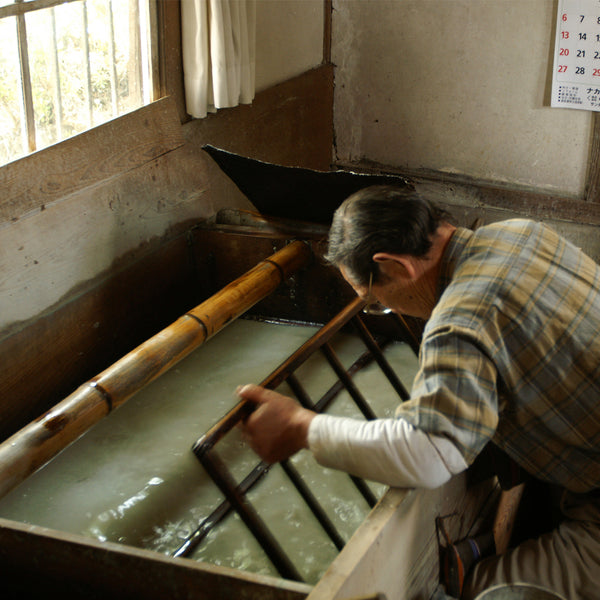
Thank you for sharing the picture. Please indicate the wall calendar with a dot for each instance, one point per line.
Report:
(576, 73)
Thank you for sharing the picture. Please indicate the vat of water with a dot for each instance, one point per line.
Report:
(121, 498)
(133, 479)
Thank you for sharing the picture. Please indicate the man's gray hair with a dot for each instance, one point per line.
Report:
(381, 219)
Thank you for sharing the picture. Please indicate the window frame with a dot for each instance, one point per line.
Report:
(19, 8)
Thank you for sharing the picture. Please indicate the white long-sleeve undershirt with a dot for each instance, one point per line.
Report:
(390, 451)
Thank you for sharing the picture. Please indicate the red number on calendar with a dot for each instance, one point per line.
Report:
(564, 17)
(562, 68)
(564, 35)
(596, 73)
(564, 52)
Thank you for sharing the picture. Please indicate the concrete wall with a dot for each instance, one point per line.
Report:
(456, 86)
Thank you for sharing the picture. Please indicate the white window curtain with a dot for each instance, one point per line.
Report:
(218, 39)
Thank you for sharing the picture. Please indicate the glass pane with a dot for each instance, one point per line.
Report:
(43, 65)
(13, 140)
(73, 52)
(127, 47)
(114, 40)
(85, 63)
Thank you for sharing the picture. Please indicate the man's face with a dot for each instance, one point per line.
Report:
(397, 290)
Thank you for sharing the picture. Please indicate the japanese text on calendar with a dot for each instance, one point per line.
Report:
(576, 74)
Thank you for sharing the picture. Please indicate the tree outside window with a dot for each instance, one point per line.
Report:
(67, 67)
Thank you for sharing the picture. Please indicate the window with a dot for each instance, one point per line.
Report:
(68, 65)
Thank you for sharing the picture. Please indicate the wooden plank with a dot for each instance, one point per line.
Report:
(170, 54)
(506, 515)
(36, 559)
(99, 154)
(48, 257)
(327, 27)
(315, 294)
(402, 526)
(289, 124)
(481, 195)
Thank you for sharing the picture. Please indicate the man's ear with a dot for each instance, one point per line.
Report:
(391, 263)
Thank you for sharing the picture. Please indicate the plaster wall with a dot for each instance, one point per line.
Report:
(289, 39)
(456, 86)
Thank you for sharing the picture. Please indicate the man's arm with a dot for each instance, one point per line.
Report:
(390, 451)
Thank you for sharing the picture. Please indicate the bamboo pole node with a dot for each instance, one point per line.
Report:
(107, 397)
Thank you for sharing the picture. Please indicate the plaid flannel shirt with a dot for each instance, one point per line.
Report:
(511, 352)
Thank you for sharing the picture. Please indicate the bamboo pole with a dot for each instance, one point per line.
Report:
(35, 444)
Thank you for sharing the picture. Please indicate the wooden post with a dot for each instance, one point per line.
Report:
(592, 188)
(40, 440)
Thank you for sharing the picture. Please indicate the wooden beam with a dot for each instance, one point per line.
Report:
(315, 294)
(328, 9)
(170, 55)
(592, 190)
(506, 514)
(22, 8)
(83, 161)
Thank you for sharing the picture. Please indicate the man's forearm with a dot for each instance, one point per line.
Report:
(390, 451)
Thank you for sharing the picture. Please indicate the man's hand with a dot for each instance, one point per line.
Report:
(278, 427)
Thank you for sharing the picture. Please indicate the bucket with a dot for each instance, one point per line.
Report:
(518, 591)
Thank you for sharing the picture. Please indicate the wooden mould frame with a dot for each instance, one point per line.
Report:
(236, 494)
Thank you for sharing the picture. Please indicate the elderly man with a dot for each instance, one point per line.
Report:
(510, 355)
